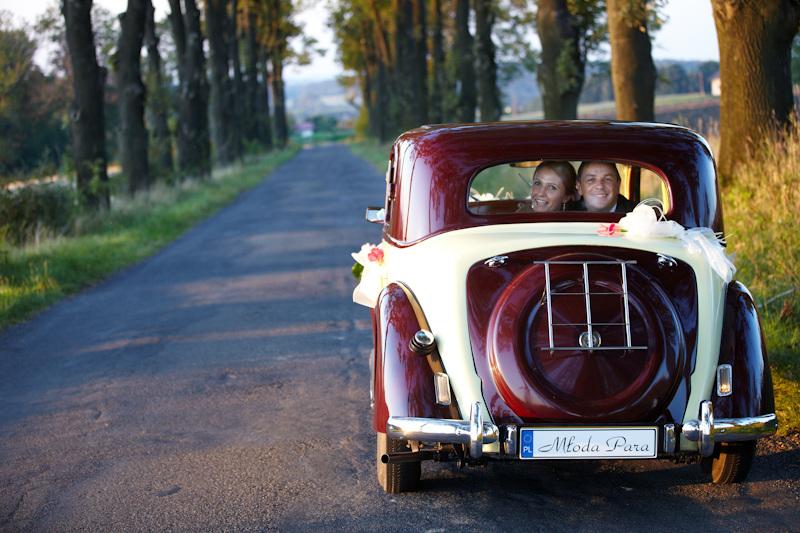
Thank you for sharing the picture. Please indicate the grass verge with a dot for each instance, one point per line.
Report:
(33, 277)
(760, 208)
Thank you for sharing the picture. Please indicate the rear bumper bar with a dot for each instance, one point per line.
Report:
(472, 433)
(706, 431)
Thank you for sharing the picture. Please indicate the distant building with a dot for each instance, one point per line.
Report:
(305, 129)
(716, 85)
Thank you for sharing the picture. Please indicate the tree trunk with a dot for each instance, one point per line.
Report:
(419, 69)
(755, 40)
(279, 102)
(561, 70)
(133, 134)
(250, 118)
(86, 117)
(405, 110)
(193, 108)
(438, 66)
(462, 51)
(157, 98)
(265, 122)
(632, 69)
(220, 111)
(277, 55)
(236, 95)
(488, 91)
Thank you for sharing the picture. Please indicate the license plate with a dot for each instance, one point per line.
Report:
(588, 443)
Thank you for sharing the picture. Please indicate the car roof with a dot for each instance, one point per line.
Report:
(432, 167)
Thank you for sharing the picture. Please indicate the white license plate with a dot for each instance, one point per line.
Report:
(588, 443)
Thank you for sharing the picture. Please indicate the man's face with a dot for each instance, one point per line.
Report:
(599, 186)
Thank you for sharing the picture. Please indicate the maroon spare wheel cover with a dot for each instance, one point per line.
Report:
(614, 381)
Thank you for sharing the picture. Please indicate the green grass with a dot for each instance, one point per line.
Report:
(33, 277)
(760, 208)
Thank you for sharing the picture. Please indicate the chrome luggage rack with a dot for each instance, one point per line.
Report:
(587, 340)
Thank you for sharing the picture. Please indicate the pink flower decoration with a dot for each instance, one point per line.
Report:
(376, 254)
(610, 230)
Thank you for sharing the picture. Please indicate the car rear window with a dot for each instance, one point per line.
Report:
(506, 188)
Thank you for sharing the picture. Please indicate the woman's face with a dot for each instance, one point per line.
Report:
(548, 192)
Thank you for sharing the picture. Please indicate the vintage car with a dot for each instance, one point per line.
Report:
(501, 333)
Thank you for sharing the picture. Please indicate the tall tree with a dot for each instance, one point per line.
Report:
(236, 93)
(567, 30)
(488, 91)
(87, 117)
(220, 111)
(262, 109)
(437, 77)
(405, 103)
(194, 149)
(755, 40)
(632, 69)
(157, 98)
(462, 59)
(251, 124)
(133, 134)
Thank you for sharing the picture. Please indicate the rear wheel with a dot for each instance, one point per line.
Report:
(395, 477)
(730, 462)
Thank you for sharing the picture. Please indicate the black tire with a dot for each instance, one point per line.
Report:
(397, 477)
(730, 462)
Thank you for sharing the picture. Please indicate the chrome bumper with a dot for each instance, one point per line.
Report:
(473, 433)
(706, 431)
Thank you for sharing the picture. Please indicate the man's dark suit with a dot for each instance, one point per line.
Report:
(623, 205)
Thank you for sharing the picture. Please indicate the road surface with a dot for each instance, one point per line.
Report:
(223, 385)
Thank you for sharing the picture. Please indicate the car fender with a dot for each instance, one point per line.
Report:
(402, 379)
(742, 346)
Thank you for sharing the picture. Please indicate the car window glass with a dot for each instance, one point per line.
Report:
(506, 188)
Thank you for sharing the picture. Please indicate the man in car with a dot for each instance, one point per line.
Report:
(598, 185)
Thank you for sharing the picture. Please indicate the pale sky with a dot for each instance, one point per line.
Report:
(688, 33)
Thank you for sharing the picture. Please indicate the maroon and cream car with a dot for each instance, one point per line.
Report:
(502, 333)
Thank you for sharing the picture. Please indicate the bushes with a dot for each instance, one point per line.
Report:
(31, 212)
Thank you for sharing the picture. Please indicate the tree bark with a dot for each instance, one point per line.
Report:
(250, 119)
(86, 116)
(438, 65)
(419, 42)
(405, 109)
(561, 70)
(462, 50)
(755, 40)
(236, 94)
(633, 72)
(265, 122)
(489, 93)
(220, 111)
(277, 56)
(157, 97)
(193, 108)
(133, 134)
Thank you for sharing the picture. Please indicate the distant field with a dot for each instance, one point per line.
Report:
(698, 111)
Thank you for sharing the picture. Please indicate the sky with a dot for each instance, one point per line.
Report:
(687, 34)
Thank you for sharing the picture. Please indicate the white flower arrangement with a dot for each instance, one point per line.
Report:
(371, 275)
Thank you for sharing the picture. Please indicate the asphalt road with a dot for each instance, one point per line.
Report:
(223, 385)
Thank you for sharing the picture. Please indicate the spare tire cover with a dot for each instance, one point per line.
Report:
(610, 384)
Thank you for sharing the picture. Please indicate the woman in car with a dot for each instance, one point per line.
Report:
(553, 186)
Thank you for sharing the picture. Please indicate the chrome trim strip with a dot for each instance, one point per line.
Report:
(475, 431)
(549, 302)
(624, 269)
(588, 299)
(510, 440)
(669, 438)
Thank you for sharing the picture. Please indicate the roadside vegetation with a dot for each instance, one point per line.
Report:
(761, 229)
(53, 262)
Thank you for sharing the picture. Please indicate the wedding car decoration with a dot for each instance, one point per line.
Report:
(517, 323)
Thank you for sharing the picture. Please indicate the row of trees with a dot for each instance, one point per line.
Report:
(219, 101)
(417, 61)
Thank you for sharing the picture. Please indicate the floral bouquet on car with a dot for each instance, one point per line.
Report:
(370, 272)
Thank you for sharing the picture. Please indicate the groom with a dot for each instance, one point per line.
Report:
(598, 184)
